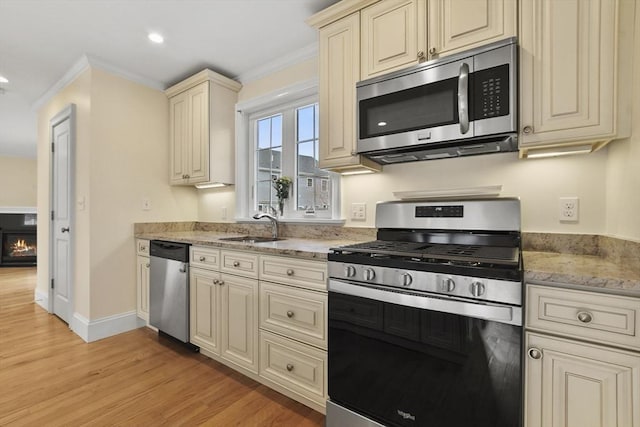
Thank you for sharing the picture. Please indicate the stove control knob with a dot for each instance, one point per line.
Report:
(369, 274)
(447, 285)
(349, 271)
(407, 279)
(478, 289)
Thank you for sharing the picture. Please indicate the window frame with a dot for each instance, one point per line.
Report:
(248, 112)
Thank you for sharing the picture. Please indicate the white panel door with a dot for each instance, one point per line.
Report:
(61, 272)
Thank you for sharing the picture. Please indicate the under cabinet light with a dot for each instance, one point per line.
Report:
(358, 172)
(3, 79)
(156, 38)
(212, 185)
(560, 151)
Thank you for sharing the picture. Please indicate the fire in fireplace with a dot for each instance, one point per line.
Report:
(21, 247)
(18, 240)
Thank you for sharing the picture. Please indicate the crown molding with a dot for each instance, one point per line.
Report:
(80, 66)
(293, 58)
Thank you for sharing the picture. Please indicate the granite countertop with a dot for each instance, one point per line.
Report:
(292, 246)
(588, 272)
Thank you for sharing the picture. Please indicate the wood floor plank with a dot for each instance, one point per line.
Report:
(49, 376)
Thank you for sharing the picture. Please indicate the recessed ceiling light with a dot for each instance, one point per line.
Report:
(156, 38)
(3, 79)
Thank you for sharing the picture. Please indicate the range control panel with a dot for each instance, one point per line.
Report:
(440, 211)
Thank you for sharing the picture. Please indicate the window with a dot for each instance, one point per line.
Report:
(281, 140)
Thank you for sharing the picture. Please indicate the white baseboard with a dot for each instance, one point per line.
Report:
(41, 298)
(94, 330)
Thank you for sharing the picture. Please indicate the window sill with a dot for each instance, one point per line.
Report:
(310, 221)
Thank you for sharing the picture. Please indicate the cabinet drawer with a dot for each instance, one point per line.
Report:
(295, 366)
(585, 315)
(296, 313)
(297, 272)
(239, 263)
(203, 257)
(142, 247)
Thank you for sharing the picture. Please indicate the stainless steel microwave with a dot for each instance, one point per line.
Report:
(462, 104)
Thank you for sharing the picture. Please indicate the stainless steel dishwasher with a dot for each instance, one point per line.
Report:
(169, 288)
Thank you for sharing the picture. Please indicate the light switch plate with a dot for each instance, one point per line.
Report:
(358, 211)
(146, 204)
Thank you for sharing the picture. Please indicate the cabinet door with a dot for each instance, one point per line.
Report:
(204, 309)
(178, 136)
(142, 287)
(571, 384)
(567, 71)
(339, 73)
(456, 25)
(197, 153)
(240, 321)
(393, 36)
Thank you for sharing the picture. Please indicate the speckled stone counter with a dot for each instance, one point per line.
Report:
(589, 272)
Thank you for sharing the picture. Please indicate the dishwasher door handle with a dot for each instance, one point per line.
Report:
(183, 268)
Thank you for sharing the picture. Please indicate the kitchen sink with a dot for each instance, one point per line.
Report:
(250, 239)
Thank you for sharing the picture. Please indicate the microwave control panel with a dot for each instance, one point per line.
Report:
(491, 90)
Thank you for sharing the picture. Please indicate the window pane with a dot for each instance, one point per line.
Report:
(266, 195)
(306, 123)
(276, 159)
(306, 161)
(276, 130)
(264, 133)
(313, 194)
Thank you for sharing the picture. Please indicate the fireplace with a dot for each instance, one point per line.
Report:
(18, 237)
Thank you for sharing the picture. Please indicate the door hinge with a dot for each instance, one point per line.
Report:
(51, 283)
(53, 147)
(52, 215)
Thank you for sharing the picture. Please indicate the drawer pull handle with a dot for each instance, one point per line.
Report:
(290, 314)
(534, 353)
(585, 316)
(202, 259)
(236, 263)
(289, 272)
(289, 367)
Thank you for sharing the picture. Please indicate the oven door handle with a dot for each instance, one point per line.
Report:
(494, 312)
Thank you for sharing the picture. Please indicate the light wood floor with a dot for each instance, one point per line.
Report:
(50, 377)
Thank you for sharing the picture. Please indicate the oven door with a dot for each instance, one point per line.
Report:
(407, 360)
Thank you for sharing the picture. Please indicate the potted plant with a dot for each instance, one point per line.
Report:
(283, 187)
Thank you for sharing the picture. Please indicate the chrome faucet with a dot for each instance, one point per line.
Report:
(274, 222)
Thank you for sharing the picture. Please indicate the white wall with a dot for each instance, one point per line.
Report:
(18, 181)
(122, 156)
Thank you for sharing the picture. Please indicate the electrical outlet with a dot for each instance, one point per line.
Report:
(358, 211)
(146, 204)
(223, 212)
(569, 208)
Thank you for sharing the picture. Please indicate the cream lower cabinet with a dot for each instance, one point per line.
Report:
(575, 74)
(142, 279)
(205, 309)
(582, 367)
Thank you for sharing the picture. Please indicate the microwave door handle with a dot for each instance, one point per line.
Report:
(463, 98)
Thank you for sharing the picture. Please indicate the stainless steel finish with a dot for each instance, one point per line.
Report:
(447, 285)
(290, 272)
(290, 314)
(585, 317)
(527, 129)
(534, 353)
(368, 274)
(463, 98)
(494, 134)
(501, 291)
(495, 312)
(477, 289)
(339, 416)
(250, 239)
(349, 271)
(407, 279)
(274, 222)
(169, 297)
(490, 214)
(64, 230)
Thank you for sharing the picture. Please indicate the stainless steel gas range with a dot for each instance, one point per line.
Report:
(425, 323)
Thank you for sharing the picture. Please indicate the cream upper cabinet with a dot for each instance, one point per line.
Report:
(574, 73)
(574, 384)
(457, 25)
(202, 129)
(339, 72)
(393, 36)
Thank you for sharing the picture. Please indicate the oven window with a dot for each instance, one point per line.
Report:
(404, 366)
(421, 107)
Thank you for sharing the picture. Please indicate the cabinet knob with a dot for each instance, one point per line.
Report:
(202, 259)
(534, 353)
(143, 248)
(585, 316)
(236, 263)
(187, 176)
(527, 130)
(421, 56)
(432, 52)
(289, 272)
(220, 282)
(289, 314)
(289, 367)
(148, 265)
(216, 281)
